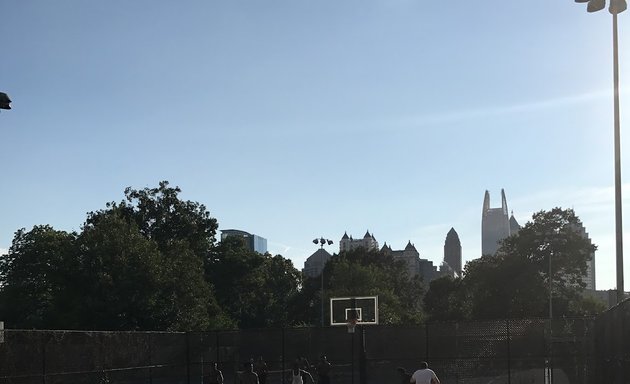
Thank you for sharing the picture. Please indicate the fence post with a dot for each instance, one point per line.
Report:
(202, 351)
(216, 344)
(457, 354)
(426, 338)
(187, 358)
(44, 342)
(509, 354)
(363, 359)
(283, 352)
(150, 358)
(351, 356)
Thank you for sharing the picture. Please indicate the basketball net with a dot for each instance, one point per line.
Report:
(351, 323)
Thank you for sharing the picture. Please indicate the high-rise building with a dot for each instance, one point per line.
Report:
(589, 278)
(368, 242)
(315, 263)
(495, 225)
(252, 242)
(514, 225)
(453, 252)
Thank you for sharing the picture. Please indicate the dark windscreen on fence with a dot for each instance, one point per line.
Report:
(582, 350)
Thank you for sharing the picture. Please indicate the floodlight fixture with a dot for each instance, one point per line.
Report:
(615, 7)
(595, 5)
(5, 101)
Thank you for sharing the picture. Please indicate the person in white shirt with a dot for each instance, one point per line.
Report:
(424, 375)
(297, 375)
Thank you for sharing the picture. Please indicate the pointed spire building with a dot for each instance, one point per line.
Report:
(495, 224)
(453, 252)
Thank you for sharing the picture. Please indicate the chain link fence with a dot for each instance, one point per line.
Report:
(532, 351)
(611, 345)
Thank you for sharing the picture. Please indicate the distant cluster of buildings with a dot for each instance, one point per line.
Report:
(496, 225)
(416, 266)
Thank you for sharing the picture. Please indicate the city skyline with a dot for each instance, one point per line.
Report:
(335, 248)
(296, 120)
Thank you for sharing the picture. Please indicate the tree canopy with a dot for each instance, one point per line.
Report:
(256, 290)
(149, 262)
(549, 252)
(362, 272)
(37, 278)
(152, 262)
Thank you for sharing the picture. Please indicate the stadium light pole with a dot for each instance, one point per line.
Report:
(548, 247)
(548, 243)
(550, 290)
(321, 241)
(615, 7)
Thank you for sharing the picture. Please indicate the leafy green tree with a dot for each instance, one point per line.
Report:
(446, 300)
(187, 300)
(306, 305)
(587, 306)
(282, 285)
(36, 278)
(131, 285)
(515, 282)
(136, 265)
(183, 235)
(255, 290)
(121, 275)
(498, 287)
(164, 218)
(231, 271)
(368, 273)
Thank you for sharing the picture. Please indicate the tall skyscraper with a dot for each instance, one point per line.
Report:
(514, 225)
(589, 278)
(453, 252)
(495, 225)
(252, 242)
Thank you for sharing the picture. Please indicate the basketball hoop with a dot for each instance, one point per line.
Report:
(351, 323)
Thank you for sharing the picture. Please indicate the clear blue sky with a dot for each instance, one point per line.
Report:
(296, 119)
